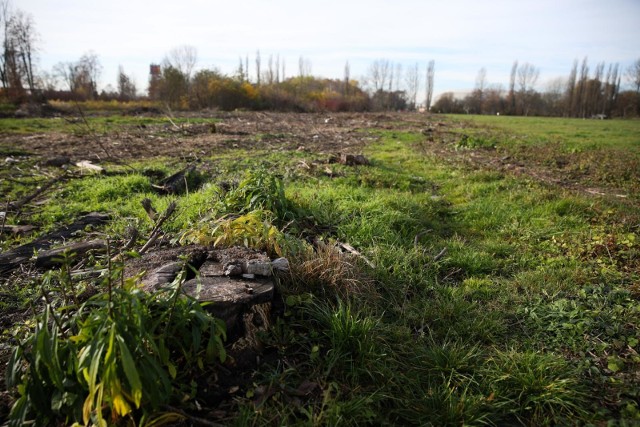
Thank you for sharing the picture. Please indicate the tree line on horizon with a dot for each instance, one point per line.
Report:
(386, 86)
(584, 93)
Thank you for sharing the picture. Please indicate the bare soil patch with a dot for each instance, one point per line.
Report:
(326, 133)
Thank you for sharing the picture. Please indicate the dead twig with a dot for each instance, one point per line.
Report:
(151, 212)
(353, 251)
(4, 218)
(416, 239)
(156, 232)
(442, 253)
(134, 234)
(194, 419)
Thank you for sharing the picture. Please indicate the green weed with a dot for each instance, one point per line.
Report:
(121, 354)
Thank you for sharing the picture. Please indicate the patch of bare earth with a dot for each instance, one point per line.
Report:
(242, 130)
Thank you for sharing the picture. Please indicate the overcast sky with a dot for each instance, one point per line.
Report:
(460, 35)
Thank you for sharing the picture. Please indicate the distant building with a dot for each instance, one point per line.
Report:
(154, 70)
(155, 75)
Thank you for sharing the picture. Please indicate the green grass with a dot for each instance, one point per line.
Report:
(600, 154)
(493, 299)
(521, 258)
(573, 134)
(99, 124)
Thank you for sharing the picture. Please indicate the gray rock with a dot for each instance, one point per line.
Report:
(232, 269)
(280, 264)
(257, 267)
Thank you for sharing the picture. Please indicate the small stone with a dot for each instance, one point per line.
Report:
(280, 264)
(248, 276)
(57, 161)
(257, 267)
(232, 269)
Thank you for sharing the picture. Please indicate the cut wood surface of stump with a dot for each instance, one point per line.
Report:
(231, 281)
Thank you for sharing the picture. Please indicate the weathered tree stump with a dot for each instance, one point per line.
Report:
(235, 283)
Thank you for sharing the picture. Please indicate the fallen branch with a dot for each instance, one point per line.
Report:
(53, 257)
(44, 187)
(151, 212)
(176, 183)
(194, 419)
(13, 258)
(4, 218)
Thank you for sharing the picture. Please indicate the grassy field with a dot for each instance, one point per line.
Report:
(484, 294)
(573, 134)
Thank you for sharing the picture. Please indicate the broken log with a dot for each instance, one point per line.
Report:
(11, 259)
(176, 183)
(54, 257)
(17, 229)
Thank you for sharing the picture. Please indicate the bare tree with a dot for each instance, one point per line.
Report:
(18, 56)
(246, 66)
(527, 77)
(379, 74)
(258, 63)
(512, 88)
(283, 70)
(429, 85)
(126, 85)
(240, 71)
(581, 89)
(398, 76)
(569, 97)
(304, 67)
(553, 96)
(182, 58)
(476, 98)
(269, 75)
(632, 75)
(412, 83)
(81, 77)
(612, 87)
(347, 71)
(481, 80)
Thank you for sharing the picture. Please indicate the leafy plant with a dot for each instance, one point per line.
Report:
(122, 353)
(259, 190)
(253, 229)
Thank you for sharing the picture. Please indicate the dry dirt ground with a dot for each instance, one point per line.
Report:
(313, 132)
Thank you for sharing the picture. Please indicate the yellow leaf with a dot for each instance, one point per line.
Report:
(120, 405)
